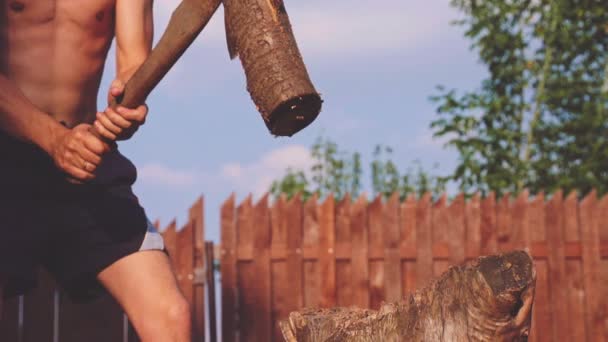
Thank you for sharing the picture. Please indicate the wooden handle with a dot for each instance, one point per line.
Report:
(187, 21)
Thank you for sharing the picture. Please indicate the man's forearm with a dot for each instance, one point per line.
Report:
(21, 119)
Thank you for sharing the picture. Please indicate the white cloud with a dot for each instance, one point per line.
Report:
(256, 177)
(158, 174)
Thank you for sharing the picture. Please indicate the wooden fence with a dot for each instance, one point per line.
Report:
(46, 315)
(278, 259)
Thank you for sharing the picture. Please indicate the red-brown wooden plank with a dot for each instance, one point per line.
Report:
(228, 270)
(408, 272)
(473, 227)
(440, 221)
(407, 223)
(424, 242)
(247, 311)
(456, 230)
(327, 255)
(392, 257)
(343, 241)
(541, 315)
(557, 265)
(310, 238)
(520, 230)
(278, 220)
(603, 293)
(294, 257)
(280, 272)
(574, 271)
(98, 321)
(603, 221)
(197, 219)
(376, 242)
(590, 237)
(344, 294)
(280, 292)
(311, 223)
(343, 221)
(185, 261)
(489, 243)
(262, 277)
(571, 226)
(503, 223)
(375, 218)
(39, 310)
(575, 302)
(603, 232)
(440, 230)
(360, 263)
(537, 220)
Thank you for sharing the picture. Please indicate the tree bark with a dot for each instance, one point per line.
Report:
(259, 32)
(488, 299)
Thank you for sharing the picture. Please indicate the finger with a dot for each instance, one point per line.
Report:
(77, 161)
(117, 87)
(104, 132)
(137, 115)
(95, 145)
(117, 119)
(79, 173)
(89, 157)
(108, 123)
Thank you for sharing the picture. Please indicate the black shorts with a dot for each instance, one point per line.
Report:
(74, 231)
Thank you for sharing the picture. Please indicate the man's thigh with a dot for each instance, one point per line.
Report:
(141, 282)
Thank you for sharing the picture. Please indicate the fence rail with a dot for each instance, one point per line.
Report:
(293, 254)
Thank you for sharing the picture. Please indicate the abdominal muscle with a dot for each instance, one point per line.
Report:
(54, 52)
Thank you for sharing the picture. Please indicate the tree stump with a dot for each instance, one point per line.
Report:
(487, 299)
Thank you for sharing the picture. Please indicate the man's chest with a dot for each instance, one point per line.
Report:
(85, 13)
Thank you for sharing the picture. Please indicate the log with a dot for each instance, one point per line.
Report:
(488, 299)
(259, 32)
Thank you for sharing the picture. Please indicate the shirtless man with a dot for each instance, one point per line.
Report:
(52, 55)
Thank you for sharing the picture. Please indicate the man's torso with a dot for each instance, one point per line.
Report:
(54, 52)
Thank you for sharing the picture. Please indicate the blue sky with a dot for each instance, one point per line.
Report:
(376, 64)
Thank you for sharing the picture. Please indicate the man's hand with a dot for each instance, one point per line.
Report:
(78, 152)
(122, 123)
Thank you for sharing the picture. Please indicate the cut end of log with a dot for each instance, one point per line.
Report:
(294, 115)
(507, 274)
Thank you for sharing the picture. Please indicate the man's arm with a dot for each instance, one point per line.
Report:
(72, 150)
(23, 120)
(134, 30)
